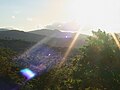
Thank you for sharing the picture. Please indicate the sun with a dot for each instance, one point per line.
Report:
(76, 10)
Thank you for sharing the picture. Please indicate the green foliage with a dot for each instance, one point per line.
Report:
(6, 61)
(18, 46)
(95, 67)
(99, 66)
(8, 68)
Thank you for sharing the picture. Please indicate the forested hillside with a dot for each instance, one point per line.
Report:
(16, 45)
(20, 35)
(95, 66)
(53, 38)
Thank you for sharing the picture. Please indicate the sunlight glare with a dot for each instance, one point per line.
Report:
(116, 39)
(69, 48)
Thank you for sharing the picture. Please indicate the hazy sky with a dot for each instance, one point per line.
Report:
(88, 14)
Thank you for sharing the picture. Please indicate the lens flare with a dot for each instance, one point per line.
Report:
(69, 48)
(36, 46)
(116, 39)
(27, 73)
(39, 60)
(66, 36)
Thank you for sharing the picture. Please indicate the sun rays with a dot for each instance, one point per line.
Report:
(74, 41)
(116, 39)
(69, 48)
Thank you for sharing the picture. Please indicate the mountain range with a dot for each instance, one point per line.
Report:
(54, 38)
(53, 33)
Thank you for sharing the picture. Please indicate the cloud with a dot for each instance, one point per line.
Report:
(39, 26)
(29, 19)
(69, 26)
(13, 17)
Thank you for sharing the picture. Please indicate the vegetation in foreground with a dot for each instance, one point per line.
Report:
(95, 67)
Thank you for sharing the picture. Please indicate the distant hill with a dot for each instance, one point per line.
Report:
(20, 35)
(4, 29)
(16, 45)
(58, 38)
(53, 33)
(65, 42)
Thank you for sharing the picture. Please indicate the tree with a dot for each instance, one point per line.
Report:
(6, 61)
(100, 63)
(96, 67)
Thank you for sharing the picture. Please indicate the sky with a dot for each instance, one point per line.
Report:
(68, 15)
